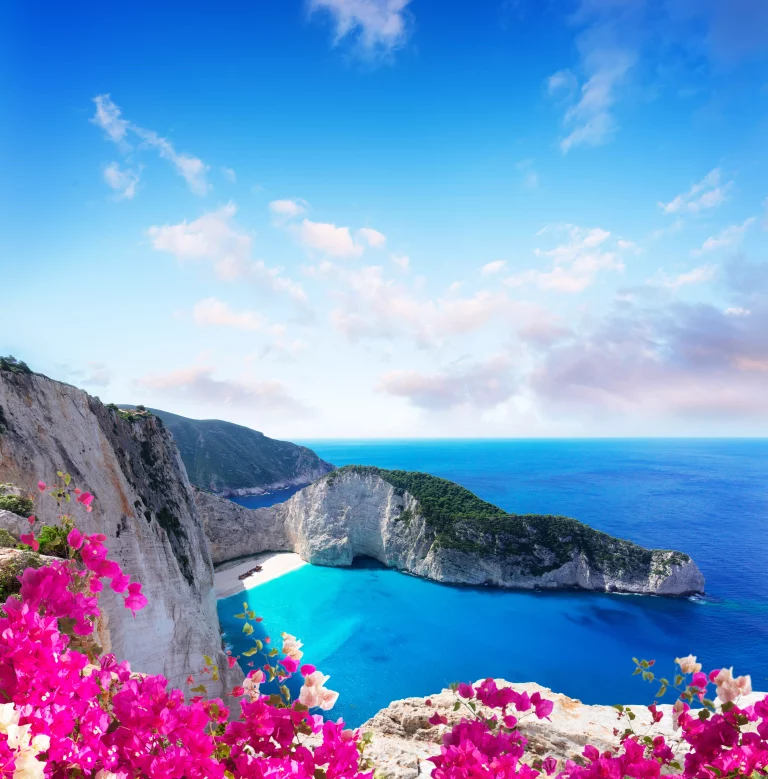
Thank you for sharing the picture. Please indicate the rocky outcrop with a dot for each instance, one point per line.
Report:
(144, 505)
(228, 459)
(360, 512)
(403, 739)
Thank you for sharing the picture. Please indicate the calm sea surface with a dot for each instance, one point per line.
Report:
(382, 635)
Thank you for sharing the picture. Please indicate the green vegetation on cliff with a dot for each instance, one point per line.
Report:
(224, 457)
(462, 521)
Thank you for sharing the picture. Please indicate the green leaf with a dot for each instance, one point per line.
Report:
(273, 652)
(250, 652)
(704, 714)
(631, 715)
(239, 615)
(67, 479)
(208, 660)
(457, 705)
(247, 628)
(200, 688)
(618, 707)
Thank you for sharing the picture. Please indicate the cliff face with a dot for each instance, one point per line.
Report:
(144, 505)
(229, 459)
(357, 512)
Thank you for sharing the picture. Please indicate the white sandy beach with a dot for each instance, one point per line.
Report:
(273, 564)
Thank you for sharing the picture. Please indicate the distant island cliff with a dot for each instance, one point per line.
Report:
(436, 529)
(228, 459)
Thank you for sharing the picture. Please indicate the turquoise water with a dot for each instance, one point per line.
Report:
(384, 635)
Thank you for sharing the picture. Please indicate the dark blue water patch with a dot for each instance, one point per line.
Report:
(384, 635)
(267, 499)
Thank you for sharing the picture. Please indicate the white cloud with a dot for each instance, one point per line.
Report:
(576, 263)
(564, 81)
(373, 238)
(197, 384)
(403, 261)
(124, 182)
(628, 246)
(217, 239)
(328, 239)
(708, 193)
(481, 385)
(695, 276)
(727, 237)
(378, 25)
(213, 312)
(371, 306)
(229, 174)
(288, 208)
(737, 311)
(109, 117)
(490, 268)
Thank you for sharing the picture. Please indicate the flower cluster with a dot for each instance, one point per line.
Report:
(72, 711)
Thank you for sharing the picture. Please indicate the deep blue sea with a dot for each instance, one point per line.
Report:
(382, 635)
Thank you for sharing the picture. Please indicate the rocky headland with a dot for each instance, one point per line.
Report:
(435, 529)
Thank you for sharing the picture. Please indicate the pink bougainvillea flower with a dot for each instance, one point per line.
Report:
(289, 664)
(30, 540)
(466, 690)
(41, 486)
(31, 519)
(238, 691)
(307, 669)
(75, 538)
(85, 498)
(232, 661)
(438, 719)
(549, 765)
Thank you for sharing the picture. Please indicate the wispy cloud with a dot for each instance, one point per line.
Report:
(608, 51)
(377, 26)
(576, 262)
(216, 238)
(198, 384)
(124, 182)
(725, 238)
(213, 312)
(373, 238)
(480, 385)
(710, 192)
(327, 239)
(491, 268)
(119, 130)
(698, 275)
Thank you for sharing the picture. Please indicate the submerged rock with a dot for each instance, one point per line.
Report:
(438, 530)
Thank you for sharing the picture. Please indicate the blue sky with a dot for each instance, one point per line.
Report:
(378, 218)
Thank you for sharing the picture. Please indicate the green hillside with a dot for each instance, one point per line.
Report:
(223, 457)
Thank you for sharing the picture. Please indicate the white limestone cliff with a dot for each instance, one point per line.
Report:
(143, 504)
(350, 514)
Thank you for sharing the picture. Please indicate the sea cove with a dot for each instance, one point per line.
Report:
(385, 635)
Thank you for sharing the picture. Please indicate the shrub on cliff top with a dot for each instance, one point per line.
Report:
(17, 504)
(13, 365)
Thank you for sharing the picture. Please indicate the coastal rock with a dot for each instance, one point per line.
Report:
(145, 507)
(403, 739)
(358, 512)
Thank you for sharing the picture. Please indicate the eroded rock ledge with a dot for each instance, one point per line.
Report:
(438, 530)
(404, 739)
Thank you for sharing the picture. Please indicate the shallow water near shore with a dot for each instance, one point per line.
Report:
(382, 635)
